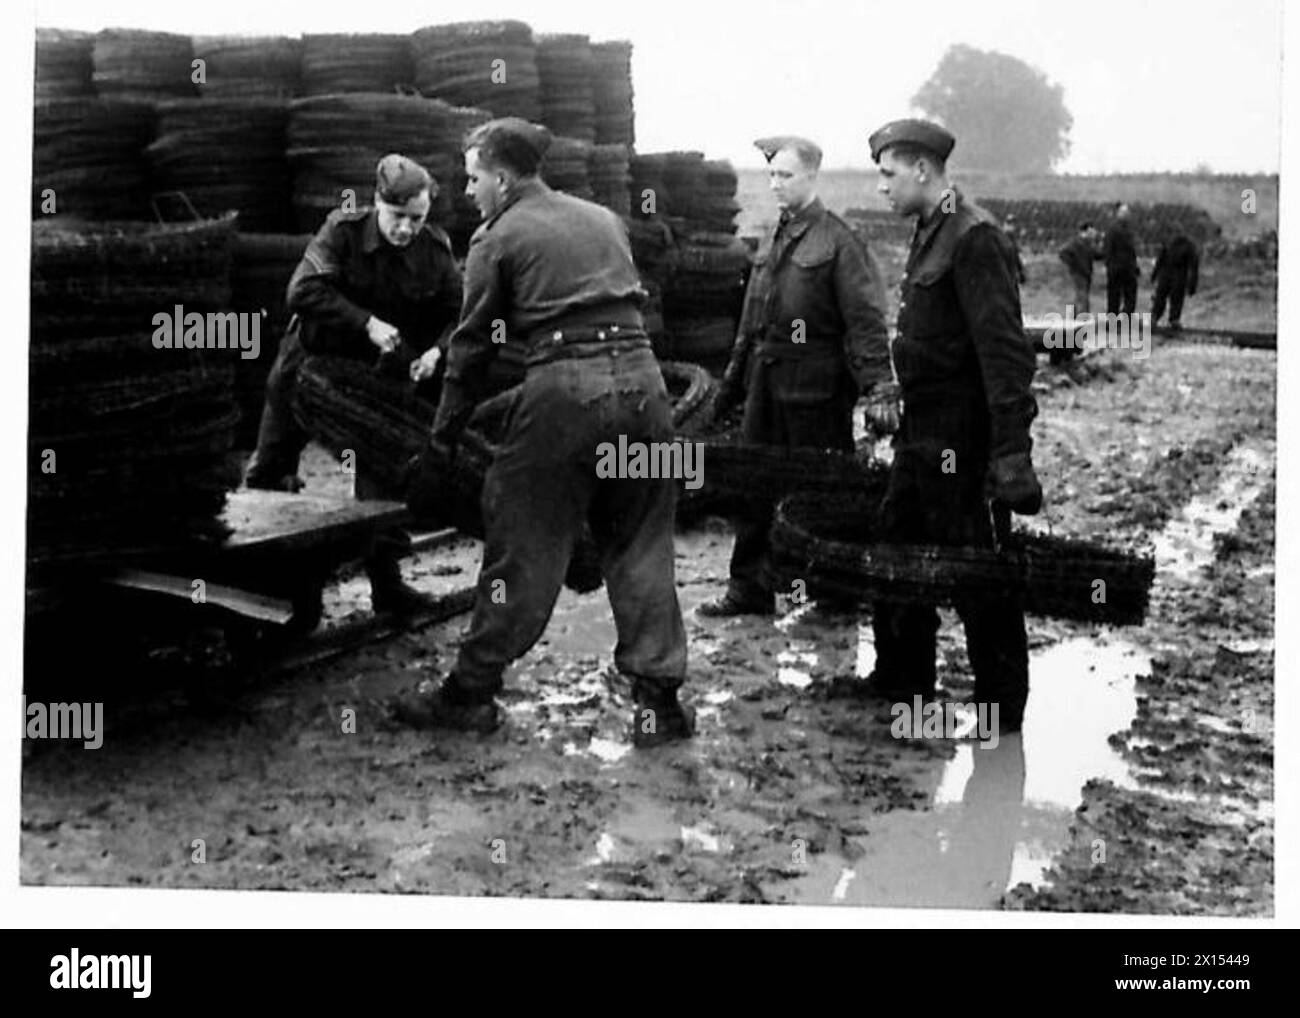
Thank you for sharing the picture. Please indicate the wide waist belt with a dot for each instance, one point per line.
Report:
(626, 314)
(590, 341)
(788, 350)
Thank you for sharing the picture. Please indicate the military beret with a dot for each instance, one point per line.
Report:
(924, 133)
(399, 179)
(511, 137)
(771, 146)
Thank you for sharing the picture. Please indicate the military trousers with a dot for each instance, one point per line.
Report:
(541, 487)
(935, 495)
(803, 401)
(1121, 292)
(280, 438)
(1170, 287)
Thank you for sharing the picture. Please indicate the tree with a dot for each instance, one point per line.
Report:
(1006, 114)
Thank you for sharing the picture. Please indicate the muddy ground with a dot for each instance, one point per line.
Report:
(1142, 782)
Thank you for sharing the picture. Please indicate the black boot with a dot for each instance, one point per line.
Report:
(389, 593)
(658, 717)
(445, 705)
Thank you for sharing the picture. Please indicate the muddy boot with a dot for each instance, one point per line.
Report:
(658, 717)
(876, 686)
(434, 705)
(389, 593)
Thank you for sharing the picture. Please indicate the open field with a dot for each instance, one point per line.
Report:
(1220, 196)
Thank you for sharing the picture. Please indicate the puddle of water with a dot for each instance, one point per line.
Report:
(999, 814)
(799, 653)
(1186, 544)
(700, 839)
(605, 750)
(606, 850)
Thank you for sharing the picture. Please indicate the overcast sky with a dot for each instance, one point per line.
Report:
(1160, 85)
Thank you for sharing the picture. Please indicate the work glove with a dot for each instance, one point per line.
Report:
(883, 411)
(731, 390)
(1012, 482)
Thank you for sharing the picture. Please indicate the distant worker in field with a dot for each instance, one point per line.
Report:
(1078, 256)
(812, 338)
(1175, 277)
(1120, 252)
(1012, 229)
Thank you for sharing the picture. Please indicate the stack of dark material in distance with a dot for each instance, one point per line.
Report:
(336, 141)
(565, 67)
(608, 169)
(564, 167)
(64, 64)
(90, 153)
(134, 64)
(487, 64)
(335, 64)
(249, 67)
(612, 92)
(225, 155)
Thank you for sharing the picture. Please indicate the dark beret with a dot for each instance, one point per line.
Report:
(771, 146)
(924, 133)
(399, 179)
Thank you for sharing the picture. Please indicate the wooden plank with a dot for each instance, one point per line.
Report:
(243, 602)
(277, 520)
(433, 539)
(325, 645)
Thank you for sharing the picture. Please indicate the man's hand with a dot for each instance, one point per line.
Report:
(1012, 482)
(731, 390)
(383, 335)
(882, 408)
(424, 366)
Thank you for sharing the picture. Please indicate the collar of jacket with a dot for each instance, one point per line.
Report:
(529, 187)
(796, 225)
(372, 240)
(935, 241)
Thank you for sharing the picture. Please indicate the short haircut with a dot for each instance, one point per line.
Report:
(910, 152)
(503, 148)
(809, 153)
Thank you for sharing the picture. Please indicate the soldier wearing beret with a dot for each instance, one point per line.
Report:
(812, 339)
(1120, 252)
(556, 273)
(380, 280)
(965, 367)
